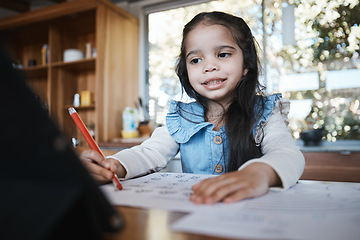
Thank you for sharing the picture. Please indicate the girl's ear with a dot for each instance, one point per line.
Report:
(245, 71)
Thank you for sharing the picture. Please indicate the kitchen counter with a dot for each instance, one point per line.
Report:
(332, 161)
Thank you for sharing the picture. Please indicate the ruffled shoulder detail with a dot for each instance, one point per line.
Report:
(184, 120)
(283, 106)
(269, 105)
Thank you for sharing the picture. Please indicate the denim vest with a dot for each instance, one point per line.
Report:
(202, 149)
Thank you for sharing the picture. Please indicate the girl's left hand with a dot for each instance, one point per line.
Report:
(252, 181)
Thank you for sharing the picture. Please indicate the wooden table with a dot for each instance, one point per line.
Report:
(152, 224)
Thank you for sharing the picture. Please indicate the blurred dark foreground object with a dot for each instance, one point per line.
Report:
(46, 193)
(312, 137)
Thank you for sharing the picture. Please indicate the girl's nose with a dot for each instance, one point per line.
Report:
(211, 66)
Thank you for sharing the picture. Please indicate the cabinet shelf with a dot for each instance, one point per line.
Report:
(81, 108)
(80, 65)
(35, 68)
(35, 71)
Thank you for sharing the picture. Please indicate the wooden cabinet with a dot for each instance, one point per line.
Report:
(111, 76)
(332, 166)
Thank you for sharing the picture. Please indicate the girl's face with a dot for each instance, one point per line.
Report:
(214, 62)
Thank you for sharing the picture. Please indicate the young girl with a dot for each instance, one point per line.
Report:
(230, 130)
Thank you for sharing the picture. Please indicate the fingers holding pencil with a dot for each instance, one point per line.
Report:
(102, 169)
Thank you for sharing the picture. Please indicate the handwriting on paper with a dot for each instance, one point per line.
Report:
(158, 190)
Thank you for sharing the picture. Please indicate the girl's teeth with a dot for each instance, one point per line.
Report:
(214, 82)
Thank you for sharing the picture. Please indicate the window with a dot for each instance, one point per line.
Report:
(316, 64)
(312, 57)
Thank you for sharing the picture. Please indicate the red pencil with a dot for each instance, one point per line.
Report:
(84, 131)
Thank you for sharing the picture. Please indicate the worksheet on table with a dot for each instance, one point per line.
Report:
(169, 191)
(309, 210)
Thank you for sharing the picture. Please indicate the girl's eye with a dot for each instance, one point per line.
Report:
(224, 55)
(195, 60)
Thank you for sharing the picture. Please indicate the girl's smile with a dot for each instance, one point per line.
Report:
(214, 83)
(214, 62)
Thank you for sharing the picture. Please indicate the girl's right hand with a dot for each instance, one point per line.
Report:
(100, 168)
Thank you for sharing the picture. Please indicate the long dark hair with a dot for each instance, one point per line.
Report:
(248, 103)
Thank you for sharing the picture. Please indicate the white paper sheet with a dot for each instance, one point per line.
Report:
(245, 223)
(169, 191)
(309, 210)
